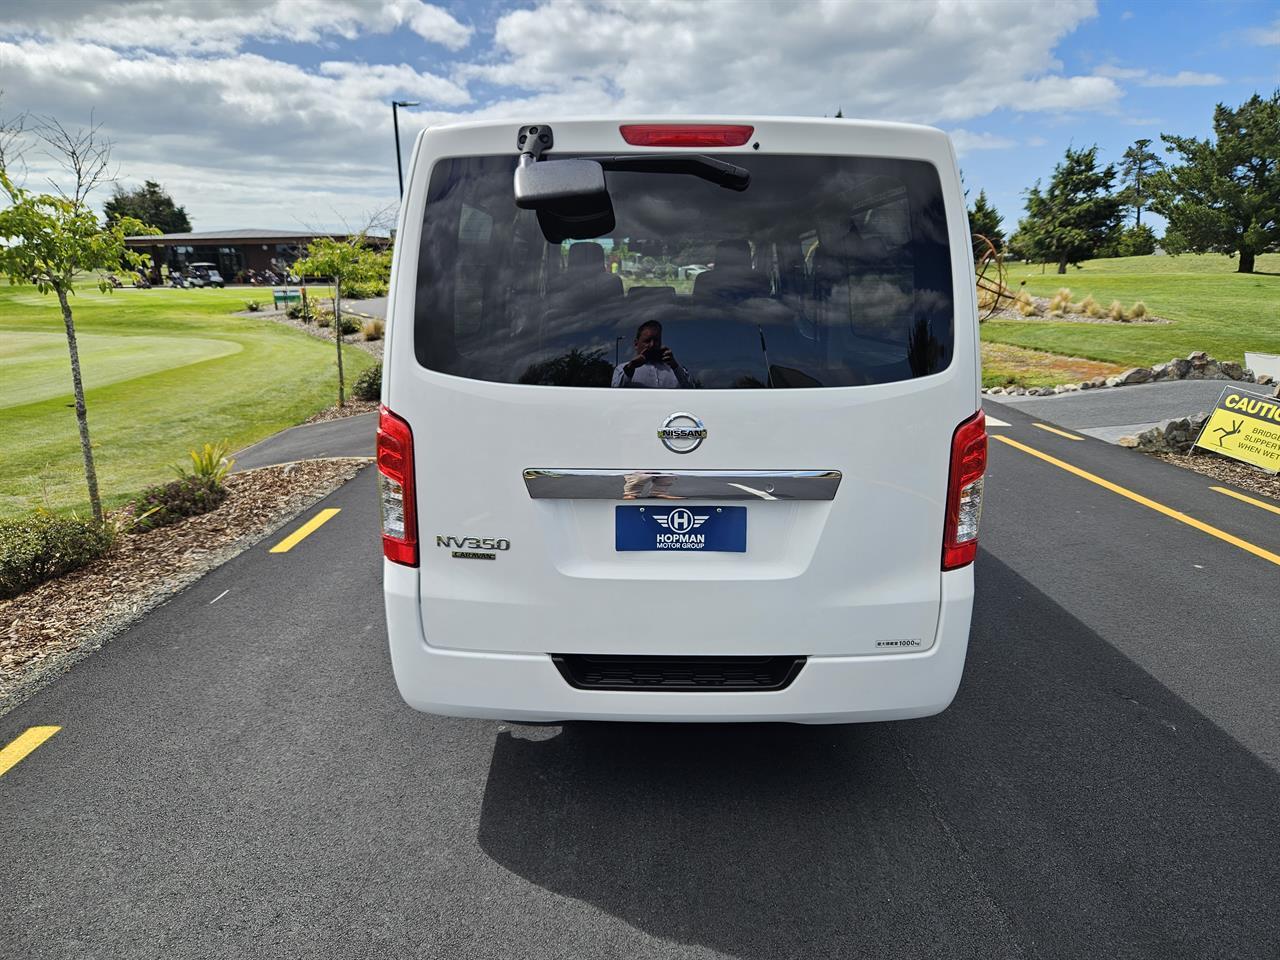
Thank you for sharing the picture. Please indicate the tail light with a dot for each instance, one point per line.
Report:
(686, 134)
(395, 489)
(964, 492)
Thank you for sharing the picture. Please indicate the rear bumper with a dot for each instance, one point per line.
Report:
(528, 687)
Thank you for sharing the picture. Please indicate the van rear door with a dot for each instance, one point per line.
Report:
(785, 364)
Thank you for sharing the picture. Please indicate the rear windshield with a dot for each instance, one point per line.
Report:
(825, 272)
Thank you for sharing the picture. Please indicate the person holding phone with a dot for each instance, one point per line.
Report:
(653, 365)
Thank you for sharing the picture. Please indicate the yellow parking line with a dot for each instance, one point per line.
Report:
(304, 531)
(1139, 498)
(1240, 496)
(27, 741)
(1061, 433)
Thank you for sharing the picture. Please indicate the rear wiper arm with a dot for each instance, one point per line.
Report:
(718, 172)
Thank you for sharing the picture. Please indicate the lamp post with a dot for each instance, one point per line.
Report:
(395, 122)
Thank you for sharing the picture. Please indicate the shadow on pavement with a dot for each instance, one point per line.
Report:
(1067, 805)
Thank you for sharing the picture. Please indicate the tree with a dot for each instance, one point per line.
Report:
(50, 238)
(346, 262)
(1136, 241)
(1076, 217)
(1136, 167)
(149, 203)
(985, 221)
(1225, 195)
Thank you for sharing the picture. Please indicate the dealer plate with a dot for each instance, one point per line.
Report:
(681, 529)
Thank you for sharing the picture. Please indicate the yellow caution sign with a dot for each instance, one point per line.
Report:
(1244, 426)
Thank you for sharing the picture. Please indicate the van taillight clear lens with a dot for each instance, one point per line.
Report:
(686, 134)
(964, 492)
(396, 489)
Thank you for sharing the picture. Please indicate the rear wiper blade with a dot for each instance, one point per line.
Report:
(718, 172)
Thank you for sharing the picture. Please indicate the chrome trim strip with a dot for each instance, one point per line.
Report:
(554, 484)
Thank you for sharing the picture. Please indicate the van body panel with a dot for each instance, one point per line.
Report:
(527, 687)
(854, 582)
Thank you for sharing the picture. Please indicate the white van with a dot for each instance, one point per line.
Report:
(681, 422)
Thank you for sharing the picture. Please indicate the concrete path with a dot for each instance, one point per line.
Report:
(1116, 412)
(349, 437)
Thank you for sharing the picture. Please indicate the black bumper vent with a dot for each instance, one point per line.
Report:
(674, 674)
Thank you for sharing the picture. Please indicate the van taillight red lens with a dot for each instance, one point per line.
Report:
(396, 489)
(686, 134)
(964, 492)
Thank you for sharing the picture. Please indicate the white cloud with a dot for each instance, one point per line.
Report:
(1266, 36)
(1037, 142)
(245, 136)
(1145, 78)
(196, 26)
(966, 141)
(1183, 78)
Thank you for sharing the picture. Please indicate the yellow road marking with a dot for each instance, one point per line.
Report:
(1061, 433)
(1139, 498)
(1240, 496)
(27, 741)
(304, 531)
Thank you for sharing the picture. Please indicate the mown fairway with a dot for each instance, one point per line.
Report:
(164, 370)
(1212, 307)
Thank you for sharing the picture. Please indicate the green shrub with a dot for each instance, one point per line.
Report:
(253, 306)
(167, 503)
(350, 325)
(323, 318)
(296, 311)
(42, 546)
(364, 291)
(209, 463)
(368, 385)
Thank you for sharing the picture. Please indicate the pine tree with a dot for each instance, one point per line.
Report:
(984, 221)
(1225, 195)
(1136, 167)
(1076, 217)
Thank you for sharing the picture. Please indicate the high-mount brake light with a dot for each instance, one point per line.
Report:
(964, 492)
(396, 489)
(686, 134)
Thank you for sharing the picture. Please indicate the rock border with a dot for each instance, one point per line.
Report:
(1197, 366)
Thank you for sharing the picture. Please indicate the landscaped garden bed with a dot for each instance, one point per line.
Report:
(46, 629)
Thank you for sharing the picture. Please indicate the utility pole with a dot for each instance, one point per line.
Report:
(395, 122)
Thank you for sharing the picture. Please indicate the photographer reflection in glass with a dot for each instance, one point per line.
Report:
(653, 365)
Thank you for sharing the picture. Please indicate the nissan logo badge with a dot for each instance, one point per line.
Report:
(682, 433)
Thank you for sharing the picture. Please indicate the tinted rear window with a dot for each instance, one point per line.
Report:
(825, 272)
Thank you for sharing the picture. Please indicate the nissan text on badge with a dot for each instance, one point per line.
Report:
(704, 395)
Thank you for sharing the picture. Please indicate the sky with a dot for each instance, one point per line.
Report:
(277, 114)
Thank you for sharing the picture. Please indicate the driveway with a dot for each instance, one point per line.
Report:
(348, 437)
(1116, 412)
(236, 776)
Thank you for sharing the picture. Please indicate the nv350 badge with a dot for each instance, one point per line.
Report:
(473, 548)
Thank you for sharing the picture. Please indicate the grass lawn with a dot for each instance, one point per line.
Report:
(1212, 307)
(164, 370)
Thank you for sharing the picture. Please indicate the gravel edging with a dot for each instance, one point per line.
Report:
(352, 408)
(371, 347)
(1233, 472)
(96, 603)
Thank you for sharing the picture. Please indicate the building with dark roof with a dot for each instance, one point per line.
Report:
(234, 252)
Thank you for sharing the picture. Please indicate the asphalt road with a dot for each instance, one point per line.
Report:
(237, 777)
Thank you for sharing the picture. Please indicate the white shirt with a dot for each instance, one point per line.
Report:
(652, 375)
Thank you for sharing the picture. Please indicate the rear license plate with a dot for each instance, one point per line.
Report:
(717, 529)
